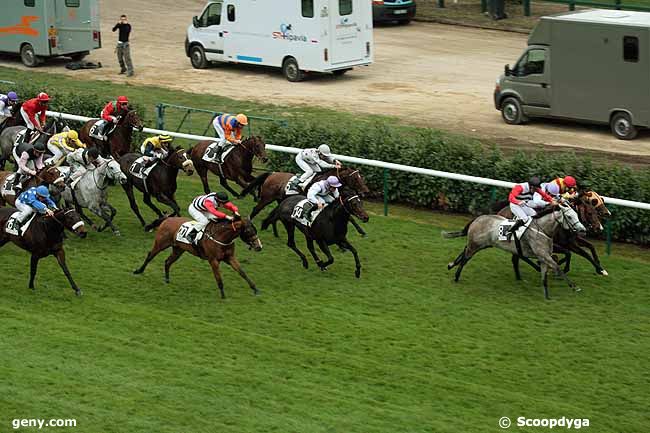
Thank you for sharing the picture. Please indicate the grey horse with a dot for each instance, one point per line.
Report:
(536, 242)
(8, 137)
(90, 192)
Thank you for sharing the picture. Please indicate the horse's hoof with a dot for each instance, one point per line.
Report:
(357, 273)
(94, 227)
(449, 266)
(167, 280)
(305, 264)
(577, 289)
(364, 235)
(117, 233)
(137, 271)
(604, 273)
(78, 292)
(257, 292)
(323, 268)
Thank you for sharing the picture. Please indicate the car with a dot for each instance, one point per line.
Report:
(402, 11)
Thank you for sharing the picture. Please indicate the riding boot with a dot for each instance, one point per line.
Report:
(514, 228)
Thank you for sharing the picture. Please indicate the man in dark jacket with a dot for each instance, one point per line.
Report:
(123, 48)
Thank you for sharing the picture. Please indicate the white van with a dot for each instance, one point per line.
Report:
(297, 35)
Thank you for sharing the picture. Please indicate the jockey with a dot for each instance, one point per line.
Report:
(552, 189)
(33, 112)
(321, 194)
(7, 102)
(80, 161)
(314, 161)
(155, 148)
(204, 208)
(24, 154)
(567, 185)
(521, 200)
(61, 144)
(229, 128)
(34, 199)
(113, 111)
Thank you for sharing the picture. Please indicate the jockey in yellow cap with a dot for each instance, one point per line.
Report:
(61, 144)
(155, 148)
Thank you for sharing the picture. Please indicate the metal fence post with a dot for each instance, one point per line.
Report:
(608, 231)
(527, 8)
(385, 192)
(160, 116)
(572, 5)
(493, 195)
(441, 3)
(483, 6)
(618, 4)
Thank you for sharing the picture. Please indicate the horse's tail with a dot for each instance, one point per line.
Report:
(460, 234)
(156, 223)
(256, 183)
(272, 218)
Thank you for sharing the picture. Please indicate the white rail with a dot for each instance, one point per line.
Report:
(370, 162)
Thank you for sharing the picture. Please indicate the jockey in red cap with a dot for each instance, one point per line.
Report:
(33, 112)
(113, 110)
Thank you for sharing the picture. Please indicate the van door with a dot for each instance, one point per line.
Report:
(73, 26)
(345, 31)
(210, 31)
(530, 78)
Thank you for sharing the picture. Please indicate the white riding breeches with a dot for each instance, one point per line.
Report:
(220, 132)
(522, 212)
(28, 122)
(202, 217)
(57, 154)
(25, 211)
(307, 168)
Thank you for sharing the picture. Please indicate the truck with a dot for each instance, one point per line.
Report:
(589, 66)
(40, 29)
(299, 36)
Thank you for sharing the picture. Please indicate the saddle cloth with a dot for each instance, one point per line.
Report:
(6, 186)
(298, 211)
(212, 151)
(137, 167)
(184, 230)
(505, 226)
(97, 128)
(12, 224)
(20, 138)
(290, 190)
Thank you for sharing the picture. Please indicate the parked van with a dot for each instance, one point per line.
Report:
(38, 29)
(296, 35)
(591, 66)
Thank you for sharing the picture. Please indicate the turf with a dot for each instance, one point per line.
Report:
(402, 349)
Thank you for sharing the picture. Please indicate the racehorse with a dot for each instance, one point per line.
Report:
(8, 137)
(160, 183)
(119, 141)
(90, 192)
(271, 188)
(237, 166)
(536, 241)
(43, 237)
(330, 226)
(217, 245)
(47, 176)
(16, 119)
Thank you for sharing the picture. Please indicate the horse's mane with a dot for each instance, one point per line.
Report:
(547, 210)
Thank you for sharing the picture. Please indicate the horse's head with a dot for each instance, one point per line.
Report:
(181, 159)
(588, 214)
(569, 219)
(52, 176)
(255, 144)
(114, 172)
(596, 201)
(70, 219)
(131, 119)
(248, 234)
(354, 180)
(352, 203)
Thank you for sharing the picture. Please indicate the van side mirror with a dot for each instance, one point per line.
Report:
(507, 71)
(195, 21)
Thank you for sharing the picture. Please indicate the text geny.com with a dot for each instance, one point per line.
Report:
(40, 423)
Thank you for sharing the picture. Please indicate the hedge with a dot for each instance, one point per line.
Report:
(430, 149)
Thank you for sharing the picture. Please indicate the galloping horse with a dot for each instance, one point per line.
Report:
(217, 245)
(119, 141)
(238, 165)
(43, 237)
(330, 226)
(16, 118)
(160, 183)
(9, 134)
(536, 242)
(48, 176)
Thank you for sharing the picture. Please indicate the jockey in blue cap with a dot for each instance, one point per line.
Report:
(35, 199)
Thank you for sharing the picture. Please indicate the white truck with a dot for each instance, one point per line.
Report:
(298, 36)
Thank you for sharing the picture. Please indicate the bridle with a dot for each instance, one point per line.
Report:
(74, 227)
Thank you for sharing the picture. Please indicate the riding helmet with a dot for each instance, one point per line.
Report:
(43, 97)
(324, 149)
(39, 147)
(92, 152)
(221, 197)
(42, 191)
(535, 181)
(12, 96)
(165, 138)
(570, 181)
(242, 119)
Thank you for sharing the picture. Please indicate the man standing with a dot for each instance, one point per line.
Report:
(123, 49)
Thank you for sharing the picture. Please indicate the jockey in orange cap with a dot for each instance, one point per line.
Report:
(568, 186)
(229, 130)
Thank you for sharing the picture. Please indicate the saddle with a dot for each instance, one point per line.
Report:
(217, 155)
(13, 225)
(139, 168)
(96, 131)
(294, 187)
(8, 186)
(188, 233)
(20, 138)
(300, 216)
(504, 229)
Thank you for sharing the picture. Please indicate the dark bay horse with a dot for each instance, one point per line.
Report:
(330, 226)
(161, 182)
(119, 141)
(47, 176)
(237, 167)
(217, 245)
(44, 237)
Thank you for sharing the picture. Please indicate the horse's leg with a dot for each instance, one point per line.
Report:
(147, 200)
(515, 266)
(164, 199)
(358, 228)
(595, 261)
(326, 249)
(158, 246)
(224, 182)
(128, 188)
(291, 242)
(544, 271)
(457, 260)
(345, 244)
(33, 265)
(312, 250)
(203, 174)
(214, 264)
(60, 257)
(234, 263)
(175, 255)
(547, 259)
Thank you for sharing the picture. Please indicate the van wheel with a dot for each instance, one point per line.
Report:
(291, 70)
(197, 57)
(622, 126)
(28, 56)
(512, 113)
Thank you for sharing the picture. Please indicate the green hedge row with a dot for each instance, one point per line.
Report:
(430, 149)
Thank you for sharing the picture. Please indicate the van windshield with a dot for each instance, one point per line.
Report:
(531, 63)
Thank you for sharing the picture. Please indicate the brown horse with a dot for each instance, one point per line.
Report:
(119, 141)
(43, 237)
(217, 245)
(161, 182)
(238, 165)
(48, 176)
